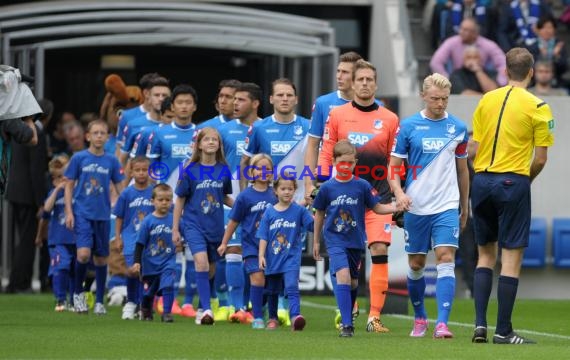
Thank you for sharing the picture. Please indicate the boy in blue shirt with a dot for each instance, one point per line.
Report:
(61, 244)
(88, 210)
(132, 206)
(344, 200)
(155, 254)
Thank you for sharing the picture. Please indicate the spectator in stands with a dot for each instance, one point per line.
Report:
(548, 47)
(75, 138)
(472, 78)
(451, 51)
(448, 15)
(57, 141)
(516, 20)
(543, 77)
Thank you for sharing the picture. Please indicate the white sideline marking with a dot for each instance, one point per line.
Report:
(454, 323)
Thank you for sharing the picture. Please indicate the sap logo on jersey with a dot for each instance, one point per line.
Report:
(281, 147)
(180, 150)
(433, 145)
(359, 139)
(240, 147)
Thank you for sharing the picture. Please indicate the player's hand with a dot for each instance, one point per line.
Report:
(317, 251)
(38, 242)
(403, 201)
(262, 263)
(135, 270)
(222, 249)
(308, 192)
(463, 219)
(119, 243)
(69, 221)
(176, 238)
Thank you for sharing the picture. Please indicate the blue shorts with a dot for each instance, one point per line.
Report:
(154, 284)
(501, 209)
(423, 233)
(342, 258)
(198, 243)
(61, 257)
(93, 234)
(251, 264)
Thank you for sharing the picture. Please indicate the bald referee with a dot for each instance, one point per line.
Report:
(510, 124)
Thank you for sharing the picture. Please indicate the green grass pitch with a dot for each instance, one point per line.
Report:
(30, 329)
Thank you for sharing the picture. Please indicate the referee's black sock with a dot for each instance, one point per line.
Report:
(506, 295)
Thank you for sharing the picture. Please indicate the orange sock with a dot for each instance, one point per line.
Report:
(378, 288)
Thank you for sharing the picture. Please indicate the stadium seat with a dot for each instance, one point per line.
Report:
(561, 242)
(535, 254)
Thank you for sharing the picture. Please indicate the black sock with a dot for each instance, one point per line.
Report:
(506, 295)
(482, 285)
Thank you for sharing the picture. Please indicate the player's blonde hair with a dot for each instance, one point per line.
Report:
(363, 64)
(436, 80)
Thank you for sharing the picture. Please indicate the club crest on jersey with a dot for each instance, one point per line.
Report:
(298, 130)
(377, 124)
(387, 228)
(451, 128)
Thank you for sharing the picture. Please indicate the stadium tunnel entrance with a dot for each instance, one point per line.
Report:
(69, 48)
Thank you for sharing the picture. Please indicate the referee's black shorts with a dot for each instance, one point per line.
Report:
(501, 209)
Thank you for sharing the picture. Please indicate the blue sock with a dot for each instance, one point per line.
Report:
(506, 295)
(80, 273)
(246, 289)
(235, 279)
(203, 284)
(416, 290)
(220, 282)
(343, 300)
(60, 283)
(353, 295)
(178, 270)
(101, 283)
(257, 301)
(133, 288)
(167, 299)
(294, 301)
(445, 291)
(482, 286)
(190, 279)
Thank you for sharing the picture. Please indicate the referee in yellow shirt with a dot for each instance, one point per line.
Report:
(510, 124)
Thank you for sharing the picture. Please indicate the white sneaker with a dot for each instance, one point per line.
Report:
(100, 309)
(199, 315)
(80, 303)
(129, 311)
(207, 318)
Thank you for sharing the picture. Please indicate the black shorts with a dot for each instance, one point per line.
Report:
(501, 209)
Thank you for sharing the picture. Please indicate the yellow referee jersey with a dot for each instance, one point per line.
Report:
(508, 123)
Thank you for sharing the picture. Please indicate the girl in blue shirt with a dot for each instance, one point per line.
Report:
(280, 246)
(248, 209)
(204, 186)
